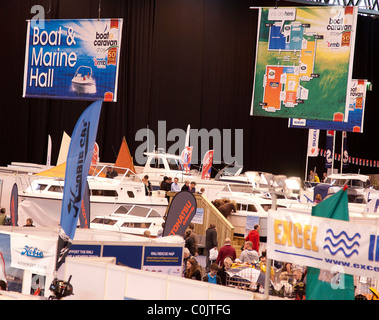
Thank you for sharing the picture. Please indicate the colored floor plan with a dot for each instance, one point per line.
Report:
(295, 49)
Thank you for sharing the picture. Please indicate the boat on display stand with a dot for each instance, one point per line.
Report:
(41, 200)
(130, 219)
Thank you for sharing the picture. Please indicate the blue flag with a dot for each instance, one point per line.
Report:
(77, 167)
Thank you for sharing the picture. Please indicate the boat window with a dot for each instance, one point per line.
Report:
(154, 214)
(252, 208)
(241, 207)
(157, 163)
(130, 194)
(106, 221)
(104, 193)
(174, 164)
(136, 225)
(139, 211)
(41, 187)
(266, 207)
(123, 209)
(55, 189)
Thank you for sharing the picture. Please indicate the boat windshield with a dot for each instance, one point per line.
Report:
(175, 164)
(353, 183)
(139, 211)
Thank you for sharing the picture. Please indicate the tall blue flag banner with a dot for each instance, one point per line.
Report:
(78, 164)
(72, 59)
(329, 149)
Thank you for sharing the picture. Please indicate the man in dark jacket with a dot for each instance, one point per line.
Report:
(210, 242)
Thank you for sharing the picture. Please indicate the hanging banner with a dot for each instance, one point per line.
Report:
(180, 213)
(33, 253)
(300, 53)
(207, 165)
(73, 59)
(357, 99)
(339, 246)
(329, 149)
(313, 137)
(78, 164)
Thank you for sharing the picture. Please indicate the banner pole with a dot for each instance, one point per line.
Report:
(334, 141)
(342, 150)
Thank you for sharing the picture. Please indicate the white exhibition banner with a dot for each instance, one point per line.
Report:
(32, 253)
(323, 243)
(313, 137)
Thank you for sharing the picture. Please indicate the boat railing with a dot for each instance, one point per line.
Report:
(113, 172)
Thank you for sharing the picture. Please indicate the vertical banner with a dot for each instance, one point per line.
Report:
(180, 213)
(207, 165)
(186, 158)
(14, 205)
(329, 149)
(345, 152)
(300, 52)
(73, 59)
(78, 164)
(313, 137)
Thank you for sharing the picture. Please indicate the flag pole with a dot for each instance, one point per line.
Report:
(343, 137)
(334, 141)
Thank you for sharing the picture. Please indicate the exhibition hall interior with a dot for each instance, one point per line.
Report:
(181, 150)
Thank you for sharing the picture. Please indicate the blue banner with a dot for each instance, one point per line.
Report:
(72, 59)
(329, 149)
(78, 164)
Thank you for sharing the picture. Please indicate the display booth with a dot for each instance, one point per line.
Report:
(103, 280)
(29, 255)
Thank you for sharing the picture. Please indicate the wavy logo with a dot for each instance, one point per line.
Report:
(342, 242)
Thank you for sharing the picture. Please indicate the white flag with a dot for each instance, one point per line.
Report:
(313, 136)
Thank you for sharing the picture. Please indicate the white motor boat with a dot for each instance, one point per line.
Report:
(160, 164)
(130, 219)
(83, 81)
(252, 208)
(42, 199)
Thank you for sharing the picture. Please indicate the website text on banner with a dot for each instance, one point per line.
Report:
(323, 243)
(73, 59)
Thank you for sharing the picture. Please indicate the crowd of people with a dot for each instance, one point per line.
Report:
(287, 280)
(168, 185)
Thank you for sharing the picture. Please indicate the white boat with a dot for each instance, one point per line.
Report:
(253, 206)
(130, 219)
(160, 164)
(359, 191)
(42, 199)
(83, 81)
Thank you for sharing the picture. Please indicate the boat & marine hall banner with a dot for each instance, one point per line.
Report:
(72, 59)
(328, 244)
(304, 62)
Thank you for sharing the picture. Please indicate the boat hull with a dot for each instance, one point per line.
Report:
(46, 212)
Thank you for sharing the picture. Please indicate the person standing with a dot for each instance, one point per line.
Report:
(253, 236)
(210, 243)
(226, 251)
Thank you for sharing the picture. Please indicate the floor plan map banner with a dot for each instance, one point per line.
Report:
(304, 62)
(72, 59)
